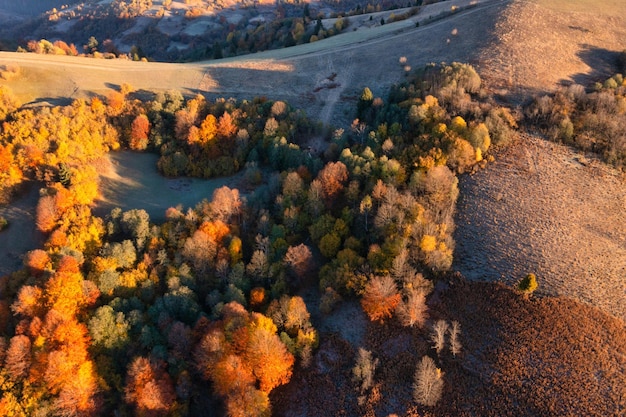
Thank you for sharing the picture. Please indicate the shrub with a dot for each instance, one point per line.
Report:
(4, 223)
(500, 124)
(364, 369)
(528, 285)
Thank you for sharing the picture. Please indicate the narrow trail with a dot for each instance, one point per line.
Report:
(365, 56)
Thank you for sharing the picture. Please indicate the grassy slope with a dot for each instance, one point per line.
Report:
(365, 57)
(544, 357)
(540, 44)
(547, 209)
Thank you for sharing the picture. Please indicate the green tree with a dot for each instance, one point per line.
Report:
(109, 329)
(528, 284)
(92, 45)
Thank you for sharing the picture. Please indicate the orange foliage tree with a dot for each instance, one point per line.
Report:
(37, 261)
(64, 289)
(149, 388)
(238, 354)
(10, 173)
(139, 133)
(332, 178)
(381, 298)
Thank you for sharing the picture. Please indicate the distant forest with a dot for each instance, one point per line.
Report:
(33, 7)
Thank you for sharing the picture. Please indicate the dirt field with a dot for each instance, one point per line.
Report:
(547, 209)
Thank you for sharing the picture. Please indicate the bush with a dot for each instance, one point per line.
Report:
(4, 223)
(528, 285)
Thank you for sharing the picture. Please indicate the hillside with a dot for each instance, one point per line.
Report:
(544, 357)
(181, 30)
(540, 44)
(545, 208)
(298, 74)
(337, 236)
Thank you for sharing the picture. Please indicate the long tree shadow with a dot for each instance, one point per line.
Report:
(603, 63)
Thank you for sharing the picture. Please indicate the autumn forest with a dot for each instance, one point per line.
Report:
(204, 311)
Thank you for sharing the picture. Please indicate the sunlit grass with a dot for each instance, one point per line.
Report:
(602, 7)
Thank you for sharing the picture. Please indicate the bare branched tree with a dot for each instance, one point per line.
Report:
(455, 343)
(428, 384)
(413, 311)
(364, 369)
(438, 337)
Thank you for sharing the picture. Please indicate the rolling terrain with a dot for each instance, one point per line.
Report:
(507, 54)
(539, 207)
(299, 74)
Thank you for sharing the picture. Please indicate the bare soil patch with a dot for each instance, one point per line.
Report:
(548, 209)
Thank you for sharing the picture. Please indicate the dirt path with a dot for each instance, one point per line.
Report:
(365, 57)
(547, 209)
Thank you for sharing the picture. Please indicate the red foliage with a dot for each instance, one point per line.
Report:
(68, 264)
(381, 298)
(18, 357)
(257, 297)
(58, 238)
(225, 126)
(333, 178)
(37, 261)
(47, 216)
(139, 133)
(149, 387)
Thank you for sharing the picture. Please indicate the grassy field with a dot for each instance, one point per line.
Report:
(603, 7)
(133, 182)
(21, 235)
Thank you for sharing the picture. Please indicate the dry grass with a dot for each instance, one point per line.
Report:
(9, 71)
(540, 44)
(603, 7)
(547, 209)
(359, 58)
(545, 357)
